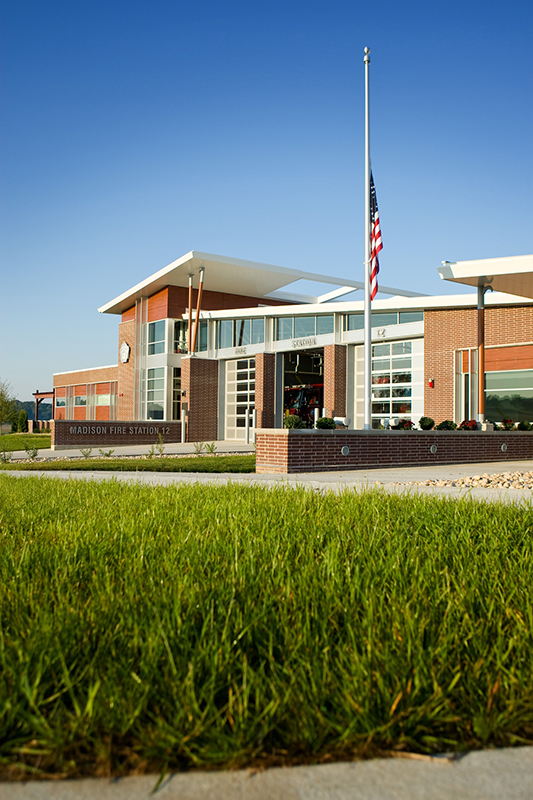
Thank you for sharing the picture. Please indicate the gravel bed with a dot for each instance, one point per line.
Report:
(500, 480)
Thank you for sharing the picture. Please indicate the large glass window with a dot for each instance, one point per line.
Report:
(380, 319)
(240, 332)
(156, 338)
(80, 401)
(509, 395)
(304, 326)
(155, 393)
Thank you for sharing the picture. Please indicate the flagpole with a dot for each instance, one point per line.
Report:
(367, 321)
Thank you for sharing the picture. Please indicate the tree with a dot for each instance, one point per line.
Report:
(22, 422)
(7, 403)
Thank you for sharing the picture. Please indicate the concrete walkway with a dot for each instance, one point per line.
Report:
(395, 480)
(487, 775)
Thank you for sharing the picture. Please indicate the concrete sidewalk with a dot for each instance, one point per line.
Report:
(505, 774)
(395, 479)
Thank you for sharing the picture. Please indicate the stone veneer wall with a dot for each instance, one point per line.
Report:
(289, 451)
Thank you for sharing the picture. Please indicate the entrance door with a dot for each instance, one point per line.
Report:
(465, 385)
(240, 396)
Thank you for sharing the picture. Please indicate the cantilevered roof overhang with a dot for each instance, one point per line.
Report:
(512, 275)
(234, 276)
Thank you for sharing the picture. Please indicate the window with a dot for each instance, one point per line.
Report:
(258, 330)
(180, 336)
(509, 395)
(155, 393)
(80, 401)
(61, 402)
(304, 326)
(411, 316)
(380, 319)
(103, 399)
(240, 332)
(284, 328)
(224, 333)
(391, 380)
(324, 324)
(176, 393)
(156, 337)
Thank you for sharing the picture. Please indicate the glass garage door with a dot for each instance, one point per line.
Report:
(240, 396)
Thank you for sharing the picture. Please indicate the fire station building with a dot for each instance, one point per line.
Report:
(227, 345)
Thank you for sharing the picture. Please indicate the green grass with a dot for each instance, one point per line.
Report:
(237, 463)
(15, 441)
(151, 628)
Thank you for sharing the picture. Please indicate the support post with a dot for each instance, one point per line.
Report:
(481, 353)
(198, 306)
(189, 323)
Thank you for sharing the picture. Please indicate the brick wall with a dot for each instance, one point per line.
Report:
(265, 389)
(335, 380)
(290, 451)
(70, 434)
(199, 381)
(84, 376)
(126, 372)
(450, 329)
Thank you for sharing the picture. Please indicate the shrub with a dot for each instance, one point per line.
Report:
(405, 425)
(446, 425)
(325, 423)
(468, 425)
(524, 426)
(507, 425)
(426, 423)
(22, 421)
(293, 421)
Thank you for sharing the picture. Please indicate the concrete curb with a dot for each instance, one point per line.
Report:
(484, 775)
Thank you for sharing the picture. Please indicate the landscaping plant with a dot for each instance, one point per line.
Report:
(426, 423)
(325, 424)
(468, 425)
(293, 421)
(446, 425)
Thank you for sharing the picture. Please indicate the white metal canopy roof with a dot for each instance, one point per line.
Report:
(512, 275)
(234, 276)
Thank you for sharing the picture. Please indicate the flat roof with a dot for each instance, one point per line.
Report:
(512, 275)
(234, 276)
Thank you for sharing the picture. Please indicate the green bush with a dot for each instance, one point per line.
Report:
(325, 423)
(22, 421)
(426, 423)
(446, 425)
(293, 421)
(524, 426)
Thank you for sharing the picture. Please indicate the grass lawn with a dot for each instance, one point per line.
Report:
(238, 463)
(175, 627)
(15, 441)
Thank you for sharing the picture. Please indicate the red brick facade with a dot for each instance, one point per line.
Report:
(265, 389)
(449, 329)
(289, 451)
(335, 380)
(199, 385)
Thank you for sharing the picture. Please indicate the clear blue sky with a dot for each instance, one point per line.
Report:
(137, 130)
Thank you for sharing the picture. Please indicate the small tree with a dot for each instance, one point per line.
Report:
(7, 403)
(22, 421)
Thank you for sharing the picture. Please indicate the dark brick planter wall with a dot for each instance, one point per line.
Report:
(288, 451)
(72, 434)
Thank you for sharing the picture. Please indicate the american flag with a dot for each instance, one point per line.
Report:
(375, 240)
